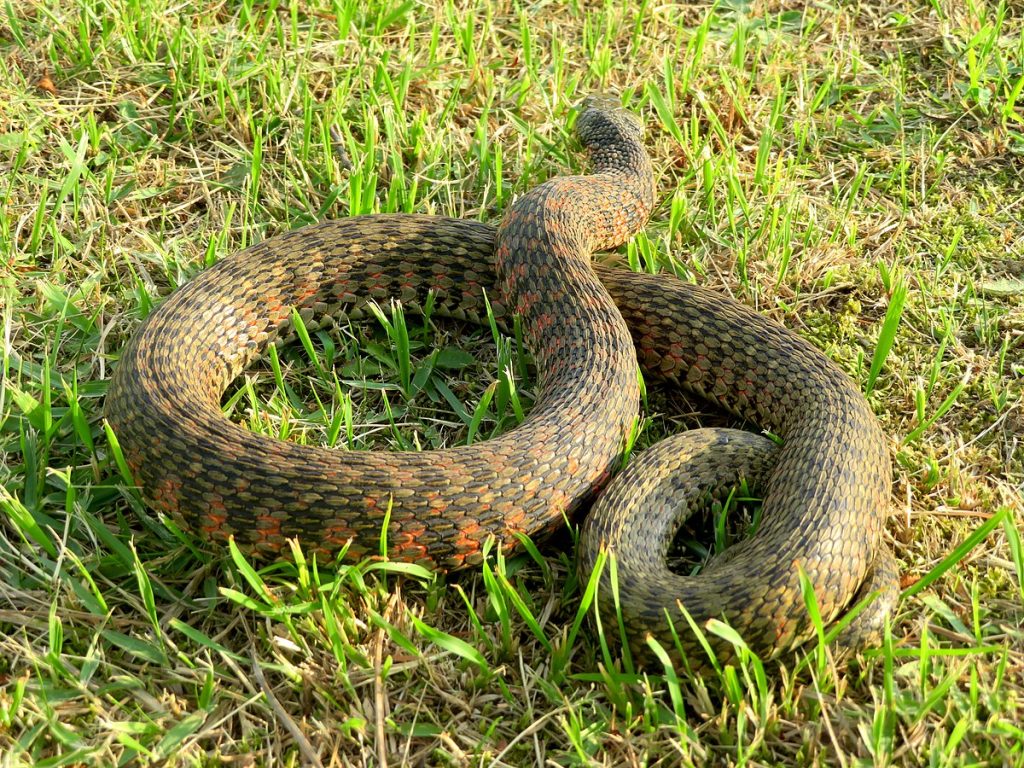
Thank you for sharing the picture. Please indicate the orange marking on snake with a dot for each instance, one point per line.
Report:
(466, 546)
(408, 546)
(543, 322)
(213, 525)
(269, 526)
(166, 495)
(338, 533)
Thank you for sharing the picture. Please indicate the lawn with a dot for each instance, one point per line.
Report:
(852, 171)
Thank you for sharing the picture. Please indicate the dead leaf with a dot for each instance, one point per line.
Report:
(44, 83)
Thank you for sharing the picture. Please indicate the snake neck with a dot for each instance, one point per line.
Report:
(542, 256)
(623, 176)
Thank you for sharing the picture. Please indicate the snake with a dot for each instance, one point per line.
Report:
(588, 328)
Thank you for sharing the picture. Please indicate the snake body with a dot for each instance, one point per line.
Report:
(587, 328)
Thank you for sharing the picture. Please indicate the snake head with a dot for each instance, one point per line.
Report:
(603, 120)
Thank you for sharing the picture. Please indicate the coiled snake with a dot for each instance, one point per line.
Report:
(824, 501)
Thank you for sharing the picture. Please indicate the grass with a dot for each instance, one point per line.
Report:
(850, 169)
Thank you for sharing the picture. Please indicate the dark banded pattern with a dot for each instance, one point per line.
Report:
(826, 496)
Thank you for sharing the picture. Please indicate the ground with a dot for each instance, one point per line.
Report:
(851, 170)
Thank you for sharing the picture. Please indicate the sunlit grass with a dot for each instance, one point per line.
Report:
(852, 172)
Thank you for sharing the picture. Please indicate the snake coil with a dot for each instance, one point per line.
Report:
(587, 327)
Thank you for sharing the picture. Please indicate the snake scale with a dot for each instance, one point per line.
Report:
(825, 489)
